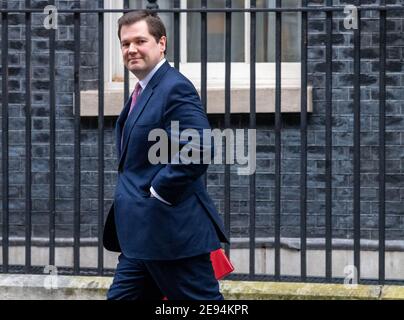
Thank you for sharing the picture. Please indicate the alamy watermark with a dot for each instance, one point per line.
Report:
(351, 277)
(51, 20)
(188, 146)
(51, 281)
(351, 21)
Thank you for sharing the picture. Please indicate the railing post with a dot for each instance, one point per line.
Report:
(152, 5)
(5, 144)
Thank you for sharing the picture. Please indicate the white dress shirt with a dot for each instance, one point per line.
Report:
(143, 84)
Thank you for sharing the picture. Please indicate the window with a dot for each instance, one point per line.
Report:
(240, 54)
(216, 33)
(190, 28)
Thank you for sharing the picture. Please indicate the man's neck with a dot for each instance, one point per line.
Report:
(143, 75)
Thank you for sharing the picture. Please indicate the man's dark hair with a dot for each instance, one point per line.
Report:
(154, 23)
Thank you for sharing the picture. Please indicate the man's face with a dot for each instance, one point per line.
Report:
(140, 51)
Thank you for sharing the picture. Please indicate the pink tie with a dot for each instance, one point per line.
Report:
(135, 95)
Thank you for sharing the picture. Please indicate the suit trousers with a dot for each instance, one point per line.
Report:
(183, 279)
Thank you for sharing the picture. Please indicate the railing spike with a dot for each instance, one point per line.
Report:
(152, 4)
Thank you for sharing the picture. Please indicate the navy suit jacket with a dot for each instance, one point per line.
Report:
(144, 227)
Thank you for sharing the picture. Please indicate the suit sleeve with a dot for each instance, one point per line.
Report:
(183, 111)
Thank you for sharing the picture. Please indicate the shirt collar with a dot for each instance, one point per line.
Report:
(146, 80)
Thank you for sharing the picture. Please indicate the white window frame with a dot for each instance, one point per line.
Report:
(240, 71)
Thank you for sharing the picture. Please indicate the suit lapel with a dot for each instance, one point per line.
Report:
(134, 115)
(137, 110)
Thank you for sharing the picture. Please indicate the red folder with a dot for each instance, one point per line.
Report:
(220, 263)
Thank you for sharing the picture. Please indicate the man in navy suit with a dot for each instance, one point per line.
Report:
(162, 220)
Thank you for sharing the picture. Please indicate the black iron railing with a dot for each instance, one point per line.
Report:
(329, 11)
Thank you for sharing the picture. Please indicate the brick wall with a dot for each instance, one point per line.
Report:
(342, 167)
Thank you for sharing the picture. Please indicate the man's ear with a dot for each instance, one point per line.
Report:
(163, 42)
